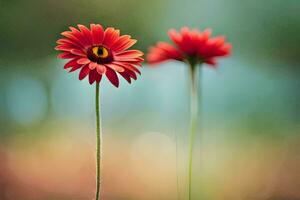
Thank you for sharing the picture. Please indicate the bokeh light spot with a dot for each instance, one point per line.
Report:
(26, 100)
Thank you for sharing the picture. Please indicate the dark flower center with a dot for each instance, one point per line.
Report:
(99, 54)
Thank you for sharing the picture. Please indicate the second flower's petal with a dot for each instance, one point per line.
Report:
(224, 50)
(170, 51)
(211, 62)
(186, 44)
(175, 36)
(163, 51)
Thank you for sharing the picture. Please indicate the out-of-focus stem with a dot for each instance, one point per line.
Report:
(177, 168)
(193, 122)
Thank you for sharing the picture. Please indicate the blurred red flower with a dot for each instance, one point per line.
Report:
(193, 46)
(96, 52)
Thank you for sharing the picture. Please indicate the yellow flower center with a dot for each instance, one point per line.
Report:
(100, 51)
(100, 54)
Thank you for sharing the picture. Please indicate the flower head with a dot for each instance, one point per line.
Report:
(193, 46)
(97, 52)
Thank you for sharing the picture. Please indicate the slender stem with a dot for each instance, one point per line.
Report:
(193, 123)
(98, 144)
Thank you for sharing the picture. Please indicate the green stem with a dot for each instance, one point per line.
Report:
(98, 144)
(193, 123)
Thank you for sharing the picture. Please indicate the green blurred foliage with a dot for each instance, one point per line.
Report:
(266, 30)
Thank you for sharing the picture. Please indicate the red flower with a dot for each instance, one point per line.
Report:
(97, 52)
(190, 45)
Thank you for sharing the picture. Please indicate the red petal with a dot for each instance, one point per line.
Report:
(83, 61)
(97, 33)
(75, 67)
(71, 63)
(126, 76)
(101, 69)
(64, 47)
(130, 54)
(98, 78)
(86, 33)
(84, 72)
(66, 55)
(74, 37)
(138, 59)
(110, 36)
(115, 67)
(92, 76)
(127, 44)
(93, 65)
(127, 66)
(131, 74)
(112, 77)
(120, 42)
(78, 52)
(80, 37)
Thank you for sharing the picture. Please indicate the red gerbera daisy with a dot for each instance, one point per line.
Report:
(96, 52)
(190, 45)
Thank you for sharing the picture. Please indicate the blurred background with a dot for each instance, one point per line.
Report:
(249, 147)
